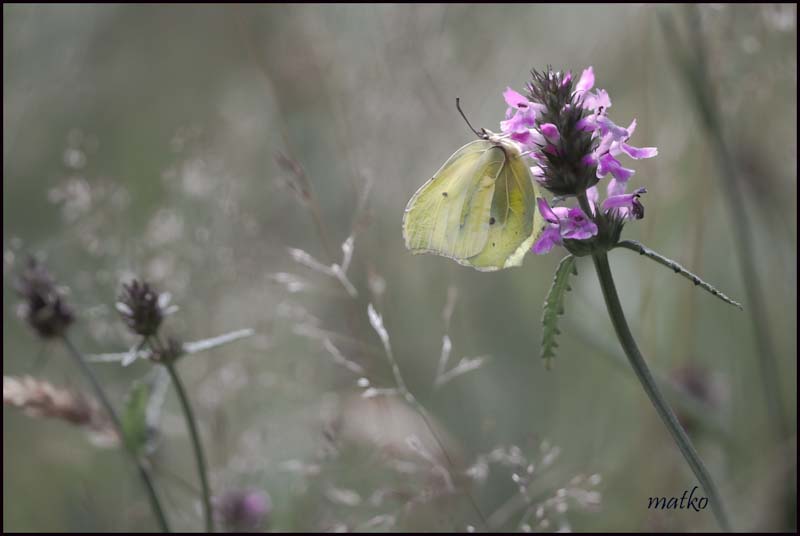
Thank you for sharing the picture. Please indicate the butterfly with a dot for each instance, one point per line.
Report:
(479, 209)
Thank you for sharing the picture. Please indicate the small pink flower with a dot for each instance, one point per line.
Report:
(628, 205)
(598, 102)
(520, 120)
(608, 164)
(562, 223)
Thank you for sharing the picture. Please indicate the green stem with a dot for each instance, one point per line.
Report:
(155, 504)
(649, 384)
(196, 444)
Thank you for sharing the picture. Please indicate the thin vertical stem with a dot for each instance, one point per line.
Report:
(191, 424)
(701, 92)
(663, 409)
(155, 504)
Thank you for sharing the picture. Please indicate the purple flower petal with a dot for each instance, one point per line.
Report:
(593, 196)
(545, 210)
(628, 204)
(514, 99)
(523, 119)
(607, 126)
(638, 152)
(631, 128)
(577, 225)
(586, 81)
(597, 100)
(561, 212)
(615, 187)
(609, 164)
(523, 137)
(588, 123)
(550, 237)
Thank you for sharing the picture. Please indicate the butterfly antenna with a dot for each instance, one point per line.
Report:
(482, 134)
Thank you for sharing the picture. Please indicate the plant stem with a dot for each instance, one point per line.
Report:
(155, 504)
(409, 397)
(191, 424)
(648, 383)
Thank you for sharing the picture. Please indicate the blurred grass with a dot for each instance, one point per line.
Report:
(179, 124)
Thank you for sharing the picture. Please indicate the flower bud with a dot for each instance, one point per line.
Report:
(244, 510)
(142, 308)
(44, 307)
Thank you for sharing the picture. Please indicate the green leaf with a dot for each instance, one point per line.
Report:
(134, 417)
(677, 268)
(554, 306)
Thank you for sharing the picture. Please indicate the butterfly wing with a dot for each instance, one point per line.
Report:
(478, 209)
(449, 214)
(516, 224)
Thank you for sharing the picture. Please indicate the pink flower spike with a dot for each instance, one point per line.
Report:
(586, 81)
(545, 210)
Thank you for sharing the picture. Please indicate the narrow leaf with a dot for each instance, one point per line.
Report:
(207, 344)
(677, 268)
(554, 306)
(191, 347)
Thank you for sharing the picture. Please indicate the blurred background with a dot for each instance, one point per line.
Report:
(193, 146)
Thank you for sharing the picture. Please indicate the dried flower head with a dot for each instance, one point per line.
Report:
(142, 308)
(41, 399)
(564, 128)
(244, 510)
(44, 307)
(169, 352)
